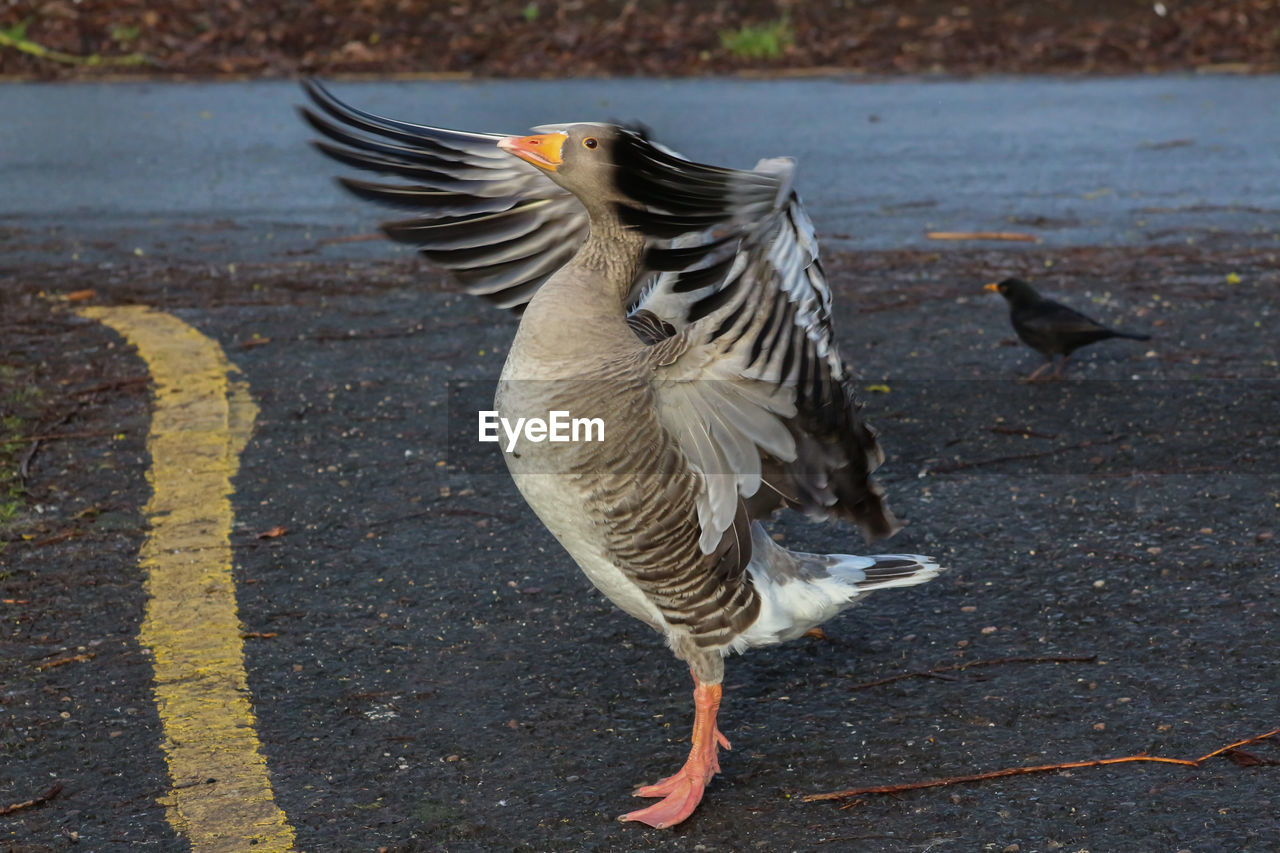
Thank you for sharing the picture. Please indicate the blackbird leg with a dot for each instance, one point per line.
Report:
(1039, 371)
(1059, 365)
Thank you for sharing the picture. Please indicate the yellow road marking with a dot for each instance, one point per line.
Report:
(202, 421)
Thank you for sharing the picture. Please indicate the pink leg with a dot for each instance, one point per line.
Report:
(682, 792)
(1039, 371)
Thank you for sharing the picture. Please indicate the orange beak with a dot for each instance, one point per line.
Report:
(543, 150)
(993, 287)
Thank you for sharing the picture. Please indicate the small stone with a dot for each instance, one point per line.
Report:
(1099, 727)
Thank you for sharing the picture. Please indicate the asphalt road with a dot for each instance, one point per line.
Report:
(1093, 162)
(428, 671)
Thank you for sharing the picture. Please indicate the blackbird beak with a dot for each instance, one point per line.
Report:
(993, 287)
(542, 150)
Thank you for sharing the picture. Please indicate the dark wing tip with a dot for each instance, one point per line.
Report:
(315, 90)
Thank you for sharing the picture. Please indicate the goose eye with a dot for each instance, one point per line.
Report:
(590, 142)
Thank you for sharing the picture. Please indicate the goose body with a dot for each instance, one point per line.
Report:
(683, 305)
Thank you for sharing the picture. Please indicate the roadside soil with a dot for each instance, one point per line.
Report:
(544, 38)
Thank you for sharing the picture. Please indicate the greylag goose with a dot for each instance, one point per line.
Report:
(1051, 328)
(684, 306)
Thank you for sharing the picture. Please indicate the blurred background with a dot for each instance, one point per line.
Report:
(573, 38)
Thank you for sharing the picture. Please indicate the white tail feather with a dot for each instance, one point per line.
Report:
(801, 591)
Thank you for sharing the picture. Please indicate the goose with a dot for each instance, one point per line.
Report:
(684, 305)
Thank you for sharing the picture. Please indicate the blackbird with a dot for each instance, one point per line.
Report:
(1051, 328)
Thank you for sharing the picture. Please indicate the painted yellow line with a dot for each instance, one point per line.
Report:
(202, 421)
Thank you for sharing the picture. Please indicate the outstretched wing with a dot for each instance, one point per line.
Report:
(750, 380)
(500, 225)
(497, 223)
(730, 298)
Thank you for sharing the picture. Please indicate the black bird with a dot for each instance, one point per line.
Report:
(1051, 328)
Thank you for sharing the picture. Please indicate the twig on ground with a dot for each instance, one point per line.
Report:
(1014, 236)
(959, 667)
(1087, 443)
(23, 473)
(58, 436)
(461, 512)
(56, 538)
(24, 466)
(1041, 768)
(1023, 431)
(113, 385)
(80, 658)
(1238, 744)
(34, 801)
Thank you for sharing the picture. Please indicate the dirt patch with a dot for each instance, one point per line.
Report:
(543, 38)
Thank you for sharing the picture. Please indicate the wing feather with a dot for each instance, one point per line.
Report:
(730, 298)
(766, 322)
(498, 224)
